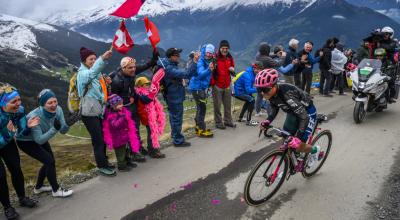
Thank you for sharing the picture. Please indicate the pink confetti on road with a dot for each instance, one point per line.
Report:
(241, 199)
(135, 185)
(187, 186)
(216, 201)
(173, 207)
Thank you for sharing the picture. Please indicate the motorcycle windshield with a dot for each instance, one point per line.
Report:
(367, 67)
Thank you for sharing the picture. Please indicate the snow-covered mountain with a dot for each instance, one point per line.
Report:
(17, 34)
(390, 8)
(154, 8)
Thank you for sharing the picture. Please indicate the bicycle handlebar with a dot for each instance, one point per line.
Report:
(281, 132)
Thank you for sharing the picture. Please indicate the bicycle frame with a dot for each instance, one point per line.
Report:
(286, 149)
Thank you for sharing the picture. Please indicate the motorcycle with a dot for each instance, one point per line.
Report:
(370, 87)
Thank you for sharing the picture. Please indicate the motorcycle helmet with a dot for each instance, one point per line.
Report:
(388, 30)
(380, 52)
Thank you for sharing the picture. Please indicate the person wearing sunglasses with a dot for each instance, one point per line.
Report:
(174, 92)
(13, 123)
(301, 113)
(388, 43)
(37, 145)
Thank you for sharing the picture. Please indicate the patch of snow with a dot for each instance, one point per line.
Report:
(338, 17)
(26, 22)
(97, 38)
(154, 8)
(17, 37)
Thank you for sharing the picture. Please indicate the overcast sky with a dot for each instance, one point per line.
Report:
(36, 9)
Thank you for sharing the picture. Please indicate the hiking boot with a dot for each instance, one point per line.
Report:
(252, 123)
(27, 202)
(131, 164)
(156, 153)
(105, 171)
(196, 130)
(206, 133)
(240, 120)
(231, 125)
(143, 151)
(42, 189)
(124, 169)
(222, 127)
(62, 193)
(392, 100)
(183, 144)
(10, 213)
(138, 157)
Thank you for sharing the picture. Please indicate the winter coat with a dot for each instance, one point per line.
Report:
(362, 53)
(20, 122)
(43, 132)
(291, 55)
(119, 129)
(151, 113)
(338, 61)
(245, 84)
(201, 80)
(222, 76)
(325, 61)
(94, 75)
(174, 89)
(267, 61)
(124, 86)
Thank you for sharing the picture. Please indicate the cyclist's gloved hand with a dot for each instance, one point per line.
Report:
(295, 143)
(265, 124)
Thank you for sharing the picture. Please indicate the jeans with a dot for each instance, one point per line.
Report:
(43, 154)
(306, 80)
(325, 82)
(297, 79)
(337, 79)
(200, 97)
(95, 128)
(248, 106)
(10, 155)
(176, 119)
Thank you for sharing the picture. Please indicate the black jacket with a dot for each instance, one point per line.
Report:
(291, 100)
(291, 55)
(325, 62)
(123, 85)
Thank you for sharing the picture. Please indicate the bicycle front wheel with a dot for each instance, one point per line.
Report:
(266, 178)
(324, 141)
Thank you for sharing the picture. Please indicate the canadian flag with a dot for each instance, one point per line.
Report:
(152, 32)
(122, 40)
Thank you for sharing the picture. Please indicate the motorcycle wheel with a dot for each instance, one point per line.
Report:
(359, 112)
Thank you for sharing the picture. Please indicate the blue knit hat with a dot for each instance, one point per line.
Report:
(44, 96)
(7, 94)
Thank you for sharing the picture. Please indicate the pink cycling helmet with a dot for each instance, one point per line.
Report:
(266, 78)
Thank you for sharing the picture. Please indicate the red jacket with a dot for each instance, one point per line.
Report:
(222, 78)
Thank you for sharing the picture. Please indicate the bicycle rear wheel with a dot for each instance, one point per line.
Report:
(324, 140)
(266, 178)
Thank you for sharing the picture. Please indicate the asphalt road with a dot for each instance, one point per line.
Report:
(206, 181)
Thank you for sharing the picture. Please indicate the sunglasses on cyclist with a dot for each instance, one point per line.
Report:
(264, 90)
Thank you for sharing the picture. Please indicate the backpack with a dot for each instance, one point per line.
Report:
(234, 79)
(73, 97)
(74, 100)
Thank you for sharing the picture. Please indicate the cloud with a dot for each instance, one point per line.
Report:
(38, 9)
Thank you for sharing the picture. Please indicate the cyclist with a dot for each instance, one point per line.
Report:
(298, 105)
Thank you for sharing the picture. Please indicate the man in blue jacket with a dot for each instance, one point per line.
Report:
(174, 92)
(244, 90)
(199, 84)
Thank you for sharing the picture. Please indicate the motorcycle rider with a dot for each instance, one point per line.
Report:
(388, 43)
(381, 55)
(301, 114)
